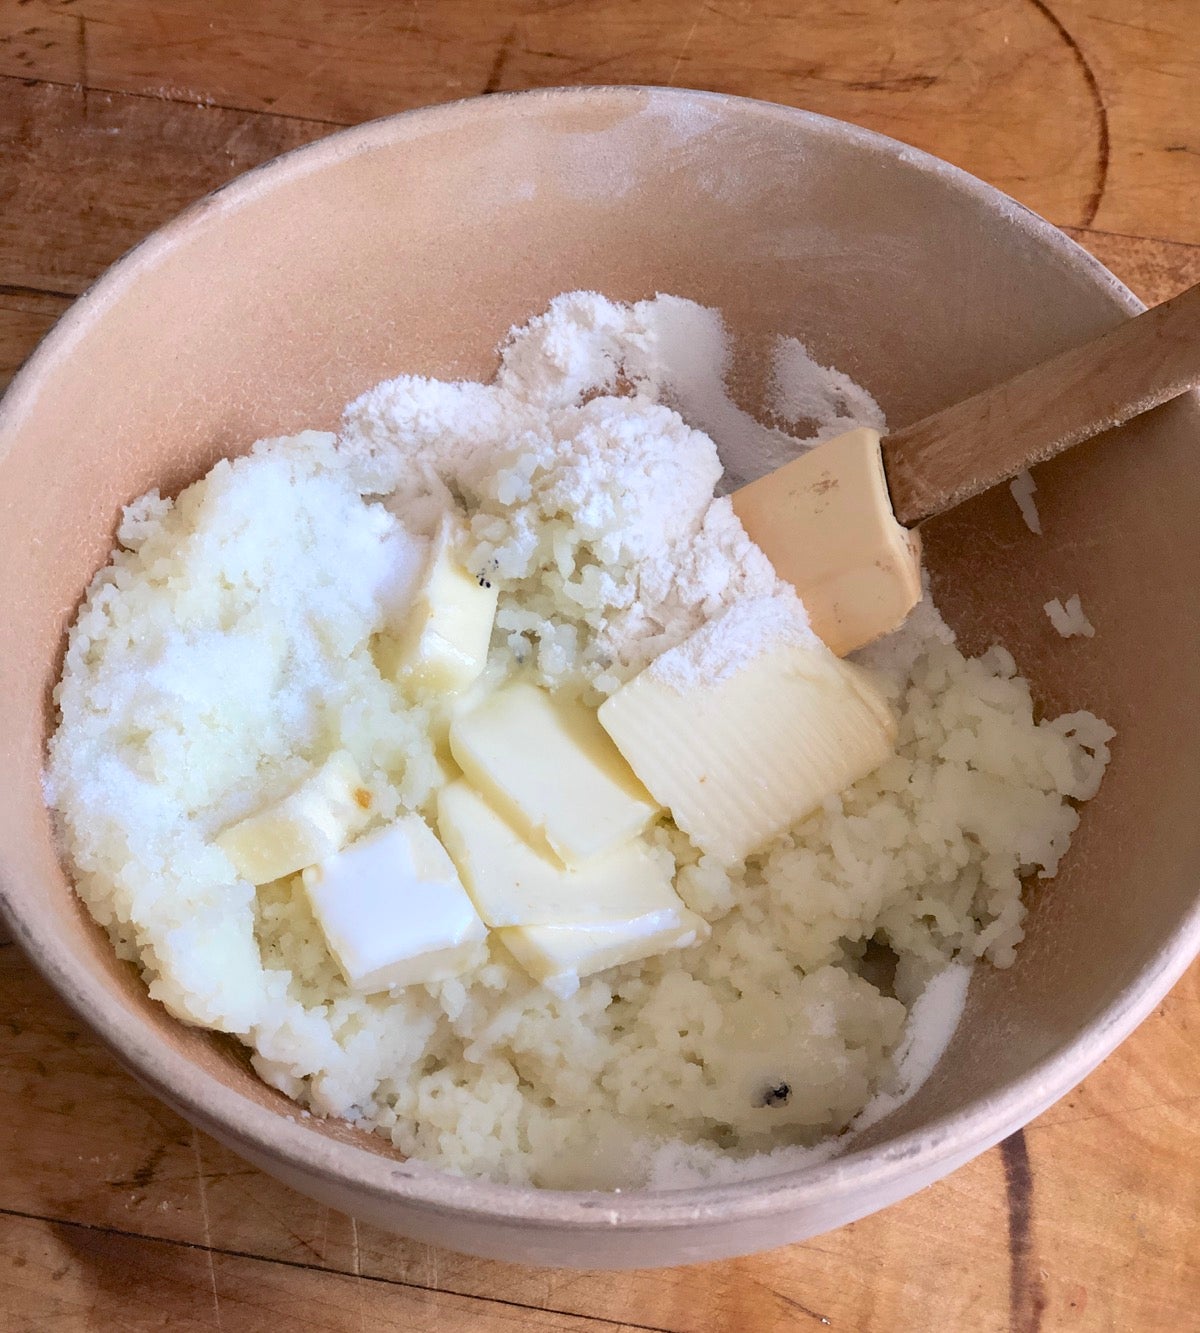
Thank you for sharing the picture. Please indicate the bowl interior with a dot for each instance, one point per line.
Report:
(413, 245)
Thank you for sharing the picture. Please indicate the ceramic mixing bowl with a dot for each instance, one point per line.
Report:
(412, 244)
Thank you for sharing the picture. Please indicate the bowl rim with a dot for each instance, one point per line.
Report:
(894, 1169)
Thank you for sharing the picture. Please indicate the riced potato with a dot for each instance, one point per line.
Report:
(239, 639)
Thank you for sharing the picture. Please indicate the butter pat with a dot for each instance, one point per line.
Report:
(393, 910)
(825, 522)
(559, 923)
(739, 759)
(547, 767)
(310, 823)
(442, 642)
(560, 956)
(511, 884)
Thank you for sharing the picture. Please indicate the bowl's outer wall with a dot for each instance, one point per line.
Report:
(413, 245)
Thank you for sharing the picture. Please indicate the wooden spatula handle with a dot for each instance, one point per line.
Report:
(947, 458)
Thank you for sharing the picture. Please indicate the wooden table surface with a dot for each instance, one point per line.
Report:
(114, 1213)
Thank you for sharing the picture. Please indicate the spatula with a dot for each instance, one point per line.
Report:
(839, 523)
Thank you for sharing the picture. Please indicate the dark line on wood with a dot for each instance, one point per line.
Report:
(177, 101)
(1130, 236)
(496, 73)
(83, 65)
(1026, 1293)
(143, 1177)
(16, 289)
(327, 1269)
(1133, 27)
(1092, 206)
(795, 1305)
(901, 83)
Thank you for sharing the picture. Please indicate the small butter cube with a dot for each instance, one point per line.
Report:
(310, 823)
(546, 765)
(442, 641)
(740, 759)
(393, 910)
(559, 956)
(511, 884)
(825, 522)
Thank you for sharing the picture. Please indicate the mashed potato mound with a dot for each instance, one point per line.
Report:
(227, 649)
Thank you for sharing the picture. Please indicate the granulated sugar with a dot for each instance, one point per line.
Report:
(229, 648)
(803, 392)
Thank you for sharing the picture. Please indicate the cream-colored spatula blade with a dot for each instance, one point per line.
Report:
(825, 522)
(836, 522)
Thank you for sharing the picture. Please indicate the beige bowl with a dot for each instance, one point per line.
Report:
(412, 244)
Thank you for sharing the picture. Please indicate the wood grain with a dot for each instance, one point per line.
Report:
(115, 114)
(1086, 110)
(25, 317)
(85, 175)
(61, 1274)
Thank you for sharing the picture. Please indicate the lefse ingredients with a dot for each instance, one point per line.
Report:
(476, 770)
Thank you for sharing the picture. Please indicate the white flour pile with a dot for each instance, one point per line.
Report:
(227, 649)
